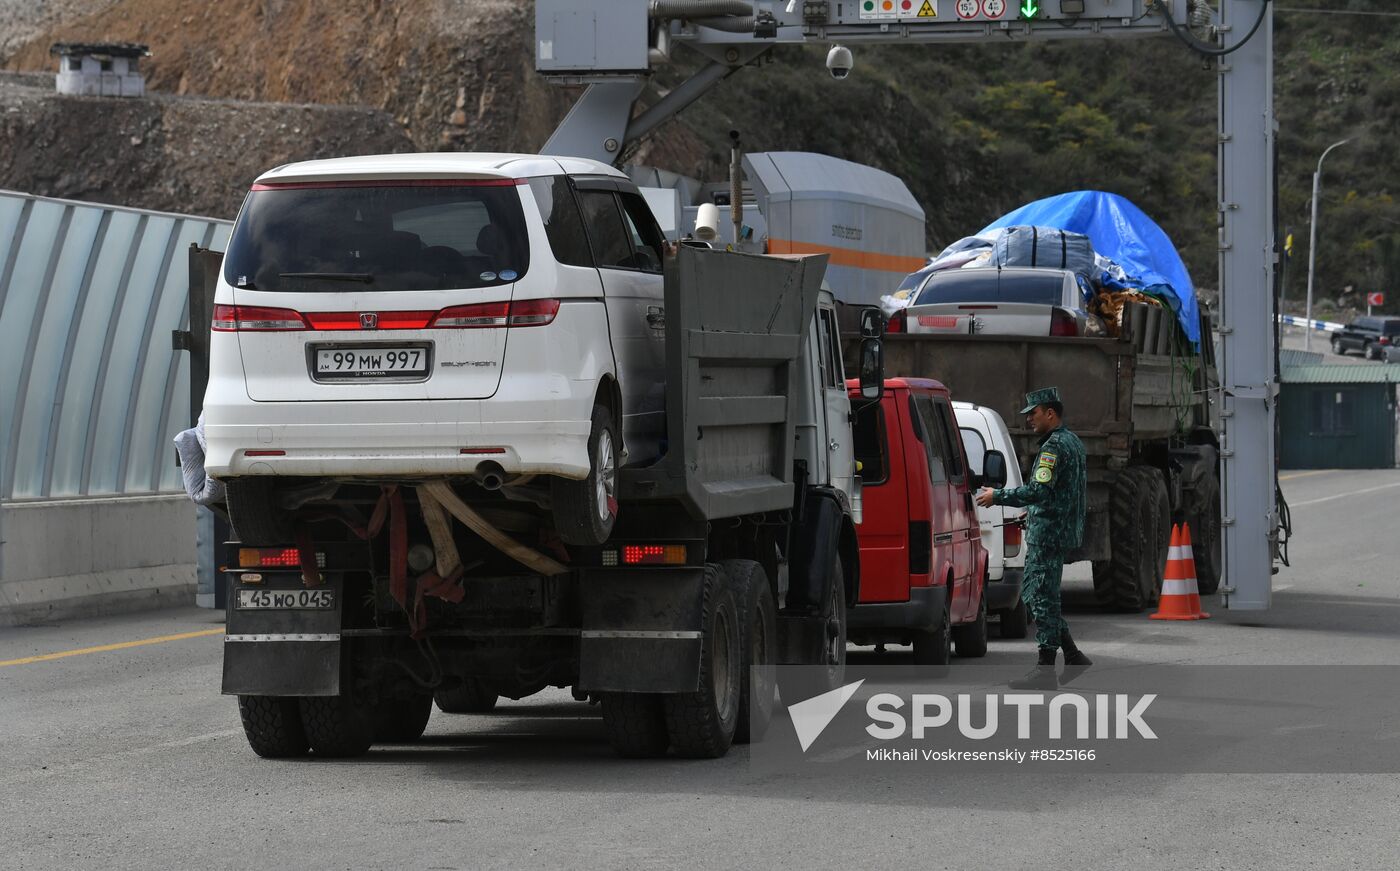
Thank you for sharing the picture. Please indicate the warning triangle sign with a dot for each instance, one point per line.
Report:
(927, 10)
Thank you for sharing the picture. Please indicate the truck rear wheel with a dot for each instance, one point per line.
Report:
(971, 638)
(401, 721)
(585, 511)
(472, 697)
(759, 632)
(254, 514)
(272, 725)
(701, 724)
(1130, 578)
(337, 726)
(636, 724)
(1205, 536)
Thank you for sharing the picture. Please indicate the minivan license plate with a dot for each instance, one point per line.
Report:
(368, 362)
(267, 600)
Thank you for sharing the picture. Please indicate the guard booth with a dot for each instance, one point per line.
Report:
(1336, 416)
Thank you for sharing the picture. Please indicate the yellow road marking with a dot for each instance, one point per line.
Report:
(1303, 474)
(104, 648)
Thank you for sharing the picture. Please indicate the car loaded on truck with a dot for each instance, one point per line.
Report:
(480, 436)
(1086, 292)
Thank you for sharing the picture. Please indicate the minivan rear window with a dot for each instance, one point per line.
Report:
(379, 236)
(993, 285)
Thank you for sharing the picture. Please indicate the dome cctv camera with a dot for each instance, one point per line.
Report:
(839, 61)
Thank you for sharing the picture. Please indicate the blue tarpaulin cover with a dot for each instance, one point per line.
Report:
(1123, 233)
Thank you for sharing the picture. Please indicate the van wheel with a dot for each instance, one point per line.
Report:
(759, 634)
(701, 724)
(254, 514)
(402, 721)
(971, 638)
(585, 511)
(935, 647)
(272, 725)
(472, 697)
(1015, 622)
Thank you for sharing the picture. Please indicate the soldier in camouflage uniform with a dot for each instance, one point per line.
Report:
(1055, 505)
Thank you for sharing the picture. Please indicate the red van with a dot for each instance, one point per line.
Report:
(922, 565)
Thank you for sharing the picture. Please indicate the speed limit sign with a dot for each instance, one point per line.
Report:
(968, 8)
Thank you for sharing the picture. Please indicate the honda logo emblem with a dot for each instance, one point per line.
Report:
(369, 321)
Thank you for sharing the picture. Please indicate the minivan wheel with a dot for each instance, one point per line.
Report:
(256, 518)
(935, 647)
(585, 511)
(971, 638)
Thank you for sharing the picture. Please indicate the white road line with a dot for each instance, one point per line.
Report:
(1344, 495)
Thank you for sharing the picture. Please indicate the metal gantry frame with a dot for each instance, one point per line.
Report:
(575, 46)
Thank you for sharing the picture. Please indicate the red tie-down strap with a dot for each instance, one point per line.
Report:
(449, 589)
(306, 546)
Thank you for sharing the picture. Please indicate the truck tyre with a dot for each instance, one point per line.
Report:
(585, 511)
(1205, 536)
(402, 721)
(971, 638)
(254, 514)
(759, 637)
(272, 725)
(337, 726)
(1128, 578)
(1015, 622)
(472, 697)
(636, 724)
(701, 724)
(935, 647)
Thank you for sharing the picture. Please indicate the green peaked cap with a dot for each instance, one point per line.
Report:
(1040, 397)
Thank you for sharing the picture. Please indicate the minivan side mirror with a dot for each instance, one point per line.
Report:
(872, 369)
(872, 323)
(994, 469)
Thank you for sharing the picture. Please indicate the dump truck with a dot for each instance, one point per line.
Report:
(734, 551)
(1141, 403)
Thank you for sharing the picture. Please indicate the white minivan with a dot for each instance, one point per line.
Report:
(983, 430)
(395, 318)
(999, 301)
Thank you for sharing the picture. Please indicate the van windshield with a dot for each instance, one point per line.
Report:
(378, 236)
(993, 285)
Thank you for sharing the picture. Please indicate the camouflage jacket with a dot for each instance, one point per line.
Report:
(1054, 497)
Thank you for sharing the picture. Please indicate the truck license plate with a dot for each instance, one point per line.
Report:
(370, 362)
(314, 600)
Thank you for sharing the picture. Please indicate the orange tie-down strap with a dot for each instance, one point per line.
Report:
(850, 256)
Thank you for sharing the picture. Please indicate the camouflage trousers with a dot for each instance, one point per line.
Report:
(1040, 590)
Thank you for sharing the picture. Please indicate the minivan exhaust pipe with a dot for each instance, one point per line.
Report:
(490, 475)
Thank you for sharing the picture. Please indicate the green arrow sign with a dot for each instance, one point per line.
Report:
(1030, 8)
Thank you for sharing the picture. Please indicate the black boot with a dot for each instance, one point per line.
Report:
(1073, 655)
(1042, 677)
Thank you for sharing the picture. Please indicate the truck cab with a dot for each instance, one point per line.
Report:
(923, 564)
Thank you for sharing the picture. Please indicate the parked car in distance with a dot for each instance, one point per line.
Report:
(1370, 336)
(1010, 301)
(982, 429)
(1392, 353)
(923, 566)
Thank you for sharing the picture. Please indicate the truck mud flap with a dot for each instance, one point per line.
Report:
(814, 553)
(282, 637)
(641, 630)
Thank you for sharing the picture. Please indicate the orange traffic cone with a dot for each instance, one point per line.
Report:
(1181, 600)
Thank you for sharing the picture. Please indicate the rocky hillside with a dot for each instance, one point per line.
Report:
(974, 130)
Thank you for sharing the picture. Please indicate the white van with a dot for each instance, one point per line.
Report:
(397, 317)
(982, 429)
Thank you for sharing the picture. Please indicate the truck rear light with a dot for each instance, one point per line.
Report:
(648, 555)
(1011, 539)
(255, 318)
(898, 322)
(381, 320)
(1062, 323)
(274, 558)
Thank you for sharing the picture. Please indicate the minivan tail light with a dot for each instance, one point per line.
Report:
(357, 320)
(523, 313)
(1011, 539)
(898, 322)
(255, 318)
(1062, 323)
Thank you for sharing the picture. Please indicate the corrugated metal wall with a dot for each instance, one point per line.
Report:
(1337, 426)
(91, 392)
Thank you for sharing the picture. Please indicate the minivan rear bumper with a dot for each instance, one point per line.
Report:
(924, 610)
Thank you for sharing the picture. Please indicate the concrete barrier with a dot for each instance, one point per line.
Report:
(82, 557)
